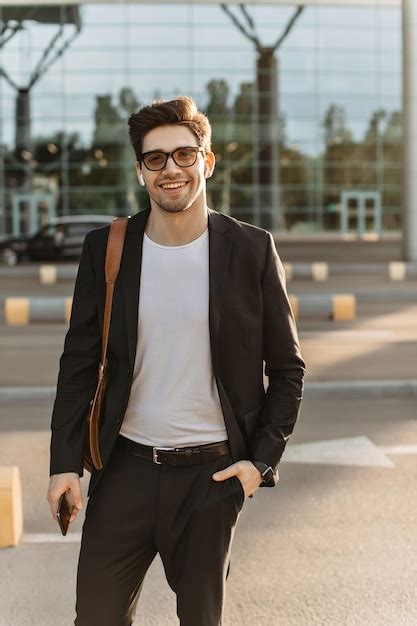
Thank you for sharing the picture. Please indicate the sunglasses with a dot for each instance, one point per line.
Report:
(183, 157)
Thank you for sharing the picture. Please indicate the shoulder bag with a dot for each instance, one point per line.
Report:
(115, 243)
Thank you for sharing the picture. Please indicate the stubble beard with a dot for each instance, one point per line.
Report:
(174, 206)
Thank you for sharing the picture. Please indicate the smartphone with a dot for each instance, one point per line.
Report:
(63, 514)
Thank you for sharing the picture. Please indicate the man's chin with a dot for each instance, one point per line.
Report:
(174, 207)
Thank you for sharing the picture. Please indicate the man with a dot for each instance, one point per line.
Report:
(188, 431)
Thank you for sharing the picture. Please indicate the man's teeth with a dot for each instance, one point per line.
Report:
(173, 185)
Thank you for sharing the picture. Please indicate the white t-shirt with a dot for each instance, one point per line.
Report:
(174, 399)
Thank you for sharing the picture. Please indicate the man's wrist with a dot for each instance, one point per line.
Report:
(266, 472)
(258, 468)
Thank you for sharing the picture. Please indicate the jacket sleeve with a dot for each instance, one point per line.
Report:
(78, 372)
(283, 365)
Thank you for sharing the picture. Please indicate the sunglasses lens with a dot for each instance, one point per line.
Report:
(184, 157)
(154, 161)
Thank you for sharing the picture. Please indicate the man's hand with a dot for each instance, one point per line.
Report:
(68, 483)
(247, 473)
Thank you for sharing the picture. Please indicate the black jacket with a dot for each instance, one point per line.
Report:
(250, 322)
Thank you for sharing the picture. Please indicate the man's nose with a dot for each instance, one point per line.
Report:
(171, 166)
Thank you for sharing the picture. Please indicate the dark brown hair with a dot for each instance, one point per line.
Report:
(181, 110)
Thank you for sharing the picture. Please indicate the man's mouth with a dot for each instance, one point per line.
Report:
(174, 186)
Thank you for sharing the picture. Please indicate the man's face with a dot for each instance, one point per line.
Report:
(193, 179)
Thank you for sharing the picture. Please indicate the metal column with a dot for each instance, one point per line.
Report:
(409, 28)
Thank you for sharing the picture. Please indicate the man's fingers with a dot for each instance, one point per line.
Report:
(227, 472)
(75, 498)
(53, 499)
(68, 484)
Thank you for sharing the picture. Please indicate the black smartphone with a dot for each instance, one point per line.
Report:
(63, 514)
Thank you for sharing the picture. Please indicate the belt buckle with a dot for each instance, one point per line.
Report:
(155, 454)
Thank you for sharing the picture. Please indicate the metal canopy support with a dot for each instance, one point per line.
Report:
(268, 137)
(267, 150)
(14, 19)
(409, 19)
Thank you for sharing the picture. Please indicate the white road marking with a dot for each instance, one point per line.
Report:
(411, 449)
(354, 451)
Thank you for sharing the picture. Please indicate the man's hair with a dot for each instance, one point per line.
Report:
(181, 110)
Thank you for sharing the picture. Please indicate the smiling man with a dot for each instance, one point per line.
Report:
(188, 431)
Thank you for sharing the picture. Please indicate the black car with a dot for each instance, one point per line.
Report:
(61, 238)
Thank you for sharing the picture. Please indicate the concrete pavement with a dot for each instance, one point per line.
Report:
(333, 544)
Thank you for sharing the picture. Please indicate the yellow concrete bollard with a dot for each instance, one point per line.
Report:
(397, 270)
(11, 509)
(320, 271)
(48, 274)
(344, 307)
(68, 307)
(16, 311)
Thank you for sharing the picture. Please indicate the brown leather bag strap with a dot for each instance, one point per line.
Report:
(114, 252)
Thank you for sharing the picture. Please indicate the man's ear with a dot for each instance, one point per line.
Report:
(210, 164)
(139, 173)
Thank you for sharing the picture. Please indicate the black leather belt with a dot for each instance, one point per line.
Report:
(190, 455)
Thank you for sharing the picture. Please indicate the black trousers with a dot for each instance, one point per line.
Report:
(139, 509)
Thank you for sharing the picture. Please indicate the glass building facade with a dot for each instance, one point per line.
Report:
(305, 107)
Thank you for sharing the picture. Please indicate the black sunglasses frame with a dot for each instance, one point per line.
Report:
(171, 154)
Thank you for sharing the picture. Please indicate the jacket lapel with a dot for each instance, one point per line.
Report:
(130, 270)
(220, 247)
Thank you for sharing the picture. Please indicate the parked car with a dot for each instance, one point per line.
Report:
(61, 238)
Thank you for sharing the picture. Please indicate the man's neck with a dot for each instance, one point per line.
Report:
(176, 229)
